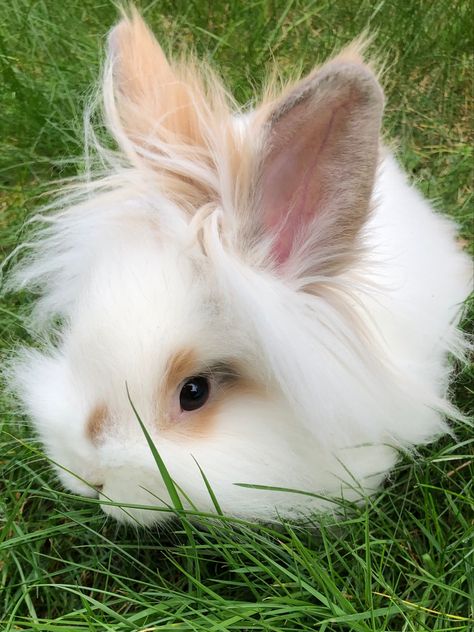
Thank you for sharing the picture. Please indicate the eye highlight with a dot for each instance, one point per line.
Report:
(194, 393)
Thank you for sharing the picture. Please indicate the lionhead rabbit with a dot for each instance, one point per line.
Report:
(276, 298)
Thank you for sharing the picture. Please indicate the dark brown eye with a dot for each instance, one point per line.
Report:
(194, 393)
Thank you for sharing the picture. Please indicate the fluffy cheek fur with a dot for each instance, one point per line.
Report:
(242, 439)
(53, 401)
(250, 438)
(245, 439)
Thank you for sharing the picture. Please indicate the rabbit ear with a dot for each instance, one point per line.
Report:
(317, 167)
(144, 95)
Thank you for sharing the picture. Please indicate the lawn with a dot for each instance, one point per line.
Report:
(402, 561)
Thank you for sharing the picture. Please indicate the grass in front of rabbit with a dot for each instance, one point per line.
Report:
(402, 561)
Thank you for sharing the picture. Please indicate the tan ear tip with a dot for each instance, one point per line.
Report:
(119, 33)
(357, 50)
(131, 27)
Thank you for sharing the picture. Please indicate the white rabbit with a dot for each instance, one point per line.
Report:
(277, 299)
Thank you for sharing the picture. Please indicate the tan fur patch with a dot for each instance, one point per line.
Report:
(180, 366)
(203, 421)
(96, 422)
(198, 424)
(228, 380)
(224, 388)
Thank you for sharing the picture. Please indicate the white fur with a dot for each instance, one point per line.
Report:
(352, 374)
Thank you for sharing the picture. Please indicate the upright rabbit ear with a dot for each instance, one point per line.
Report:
(144, 96)
(317, 166)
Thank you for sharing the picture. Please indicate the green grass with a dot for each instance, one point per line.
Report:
(401, 562)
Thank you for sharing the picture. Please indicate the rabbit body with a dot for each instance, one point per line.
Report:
(322, 329)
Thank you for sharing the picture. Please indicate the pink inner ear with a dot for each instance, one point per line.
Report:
(320, 152)
(294, 174)
(294, 182)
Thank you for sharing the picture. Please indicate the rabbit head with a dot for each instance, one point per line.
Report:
(200, 277)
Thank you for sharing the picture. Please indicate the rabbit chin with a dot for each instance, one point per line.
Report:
(129, 498)
(137, 494)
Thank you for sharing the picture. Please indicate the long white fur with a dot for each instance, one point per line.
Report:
(354, 373)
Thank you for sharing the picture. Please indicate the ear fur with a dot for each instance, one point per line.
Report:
(301, 174)
(170, 116)
(319, 154)
(150, 95)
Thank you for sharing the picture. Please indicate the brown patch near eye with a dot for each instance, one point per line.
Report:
(180, 366)
(200, 423)
(96, 422)
(228, 383)
(238, 386)
(227, 378)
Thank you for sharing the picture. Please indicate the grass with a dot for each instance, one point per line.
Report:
(403, 561)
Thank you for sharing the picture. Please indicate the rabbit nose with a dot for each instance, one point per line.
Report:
(99, 488)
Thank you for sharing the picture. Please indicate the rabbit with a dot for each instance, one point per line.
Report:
(264, 286)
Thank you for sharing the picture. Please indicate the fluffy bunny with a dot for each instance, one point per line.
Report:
(277, 299)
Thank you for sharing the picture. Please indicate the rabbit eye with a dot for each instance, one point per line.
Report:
(194, 393)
